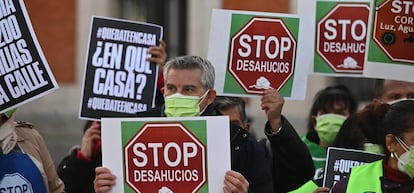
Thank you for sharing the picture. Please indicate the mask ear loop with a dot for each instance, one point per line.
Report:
(202, 98)
(402, 143)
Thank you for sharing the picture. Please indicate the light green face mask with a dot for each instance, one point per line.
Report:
(178, 105)
(406, 160)
(373, 148)
(327, 127)
(10, 112)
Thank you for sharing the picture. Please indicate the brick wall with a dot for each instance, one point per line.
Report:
(54, 25)
(279, 6)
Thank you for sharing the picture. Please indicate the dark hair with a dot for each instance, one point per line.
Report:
(325, 99)
(369, 119)
(399, 118)
(227, 102)
(350, 135)
(381, 119)
(361, 127)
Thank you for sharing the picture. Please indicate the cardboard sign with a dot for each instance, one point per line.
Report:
(341, 31)
(255, 51)
(24, 71)
(167, 154)
(391, 40)
(340, 161)
(118, 80)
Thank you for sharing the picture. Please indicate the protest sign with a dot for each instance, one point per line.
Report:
(118, 80)
(340, 161)
(340, 41)
(255, 51)
(167, 154)
(24, 71)
(391, 40)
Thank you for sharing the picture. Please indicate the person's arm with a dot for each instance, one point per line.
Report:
(77, 173)
(78, 169)
(292, 163)
(158, 55)
(291, 160)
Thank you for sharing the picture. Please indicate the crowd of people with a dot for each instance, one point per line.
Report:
(283, 162)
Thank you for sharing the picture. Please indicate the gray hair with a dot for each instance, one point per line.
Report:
(193, 62)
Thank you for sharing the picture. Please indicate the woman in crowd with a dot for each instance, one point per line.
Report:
(329, 110)
(393, 174)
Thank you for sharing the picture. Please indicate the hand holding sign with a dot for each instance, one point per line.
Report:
(159, 55)
(272, 103)
(119, 78)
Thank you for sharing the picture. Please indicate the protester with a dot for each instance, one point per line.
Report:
(292, 163)
(234, 107)
(77, 170)
(285, 142)
(391, 90)
(393, 174)
(191, 79)
(24, 158)
(353, 134)
(331, 106)
(357, 132)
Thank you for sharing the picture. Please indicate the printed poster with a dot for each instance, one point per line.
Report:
(24, 72)
(118, 81)
(340, 38)
(340, 161)
(391, 41)
(255, 51)
(165, 155)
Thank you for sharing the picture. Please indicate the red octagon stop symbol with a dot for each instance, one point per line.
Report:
(341, 36)
(393, 30)
(165, 157)
(262, 55)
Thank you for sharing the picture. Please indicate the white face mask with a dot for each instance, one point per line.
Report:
(398, 100)
(406, 160)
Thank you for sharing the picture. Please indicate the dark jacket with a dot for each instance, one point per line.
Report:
(292, 164)
(78, 174)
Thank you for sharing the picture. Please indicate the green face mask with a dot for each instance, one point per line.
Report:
(373, 148)
(178, 105)
(328, 126)
(10, 112)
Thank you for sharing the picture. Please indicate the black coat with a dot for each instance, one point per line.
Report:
(292, 164)
(78, 174)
